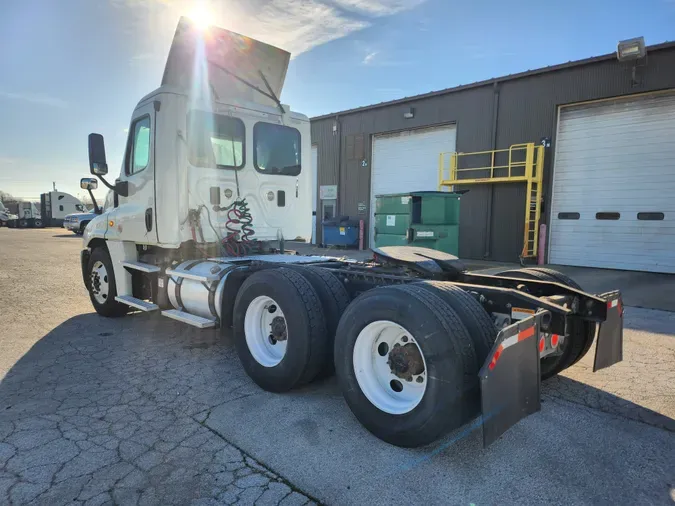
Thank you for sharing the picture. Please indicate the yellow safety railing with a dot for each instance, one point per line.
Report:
(520, 163)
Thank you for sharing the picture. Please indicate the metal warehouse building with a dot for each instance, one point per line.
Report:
(608, 191)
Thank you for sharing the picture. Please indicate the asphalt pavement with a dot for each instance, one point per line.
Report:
(145, 410)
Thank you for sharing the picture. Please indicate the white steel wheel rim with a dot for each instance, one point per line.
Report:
(374, 375)
(260, 314)
(100, 285)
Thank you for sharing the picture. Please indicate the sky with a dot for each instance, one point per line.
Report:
(71, 67)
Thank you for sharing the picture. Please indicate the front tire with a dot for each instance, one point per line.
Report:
(101, 285)
(406, 365)
(279, 329)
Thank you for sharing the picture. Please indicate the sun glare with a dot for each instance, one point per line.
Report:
(201, 17)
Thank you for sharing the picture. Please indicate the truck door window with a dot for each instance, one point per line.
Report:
(276, 149)
(138, 150)
(215, 140)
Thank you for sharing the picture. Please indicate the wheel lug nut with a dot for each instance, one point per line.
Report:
(404, 339)
(420, 379)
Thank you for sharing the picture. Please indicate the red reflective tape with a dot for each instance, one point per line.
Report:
(542, 345)
(495, 357)
(528, 332)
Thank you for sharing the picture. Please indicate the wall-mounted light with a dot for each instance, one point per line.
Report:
(409, 114)
(631, 49)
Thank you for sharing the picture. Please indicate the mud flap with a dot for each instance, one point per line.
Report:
(510, 378)
(609, 348)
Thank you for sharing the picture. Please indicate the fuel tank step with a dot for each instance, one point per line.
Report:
(137, 303)
(140, 266)
(190, 319)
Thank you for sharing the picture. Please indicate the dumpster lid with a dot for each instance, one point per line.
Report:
(455, 194)
(341, 221)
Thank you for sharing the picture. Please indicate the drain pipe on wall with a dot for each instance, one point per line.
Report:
(488, 218)
(541, 250)
(338, 202)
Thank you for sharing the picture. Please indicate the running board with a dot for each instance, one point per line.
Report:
(190, 319)
(140, 266)
(137, 303)
(179, 273)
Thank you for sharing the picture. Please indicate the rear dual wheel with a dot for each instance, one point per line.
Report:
(406, 365)
(284, 322)
(581, 333)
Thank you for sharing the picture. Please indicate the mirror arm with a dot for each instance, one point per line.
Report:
(112, 187)
(97, 210)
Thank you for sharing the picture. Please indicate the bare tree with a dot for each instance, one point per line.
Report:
(8, 198)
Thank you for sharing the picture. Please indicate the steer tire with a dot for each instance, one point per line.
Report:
(334, 300)
(581, 333)
(110, 308)
(476, 320)
(451, 396)
(307, 345)
(82, 227)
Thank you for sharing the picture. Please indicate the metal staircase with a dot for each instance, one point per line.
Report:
(520, 163)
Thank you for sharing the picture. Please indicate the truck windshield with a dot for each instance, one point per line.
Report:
(277, 149)
(80, 208)
(215, 140)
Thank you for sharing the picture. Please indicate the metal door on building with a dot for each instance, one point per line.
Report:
(407, 161)
(613, 183)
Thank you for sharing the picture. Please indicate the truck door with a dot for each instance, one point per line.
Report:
(134, 218)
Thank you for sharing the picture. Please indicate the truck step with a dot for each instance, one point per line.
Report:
(140, 266)
(190, 319)
(137, 303)
(180, 273)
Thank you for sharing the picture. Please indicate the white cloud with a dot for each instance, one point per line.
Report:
(35, 98)
(378, 7)
(296, 26)
(369, 57)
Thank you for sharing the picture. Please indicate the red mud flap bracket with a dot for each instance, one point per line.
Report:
(609, 348)
(510, 379)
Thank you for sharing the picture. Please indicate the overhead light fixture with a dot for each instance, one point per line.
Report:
(409, 114)
(631, 49)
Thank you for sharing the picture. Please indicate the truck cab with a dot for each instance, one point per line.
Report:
(211, 153)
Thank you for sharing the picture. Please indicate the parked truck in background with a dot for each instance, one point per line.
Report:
(216, 174)
(27, 215)
(5, 215)
(56, 205)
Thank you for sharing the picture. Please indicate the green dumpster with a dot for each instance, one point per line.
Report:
(427, 219)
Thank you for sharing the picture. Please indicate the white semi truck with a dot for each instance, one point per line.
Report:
(56, 205)
(217, 173)
(5, 215)
(25, 215)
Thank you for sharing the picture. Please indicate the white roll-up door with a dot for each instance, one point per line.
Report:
(408, 161)
(613, 201)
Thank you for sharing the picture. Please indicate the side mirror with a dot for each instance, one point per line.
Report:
(97, 161)
(122, 188)
(88, 183)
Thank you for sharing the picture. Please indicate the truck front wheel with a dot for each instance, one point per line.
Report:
(101, 285)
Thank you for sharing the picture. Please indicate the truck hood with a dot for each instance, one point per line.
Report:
(220, 49)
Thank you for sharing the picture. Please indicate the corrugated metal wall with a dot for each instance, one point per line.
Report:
(527, 112)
